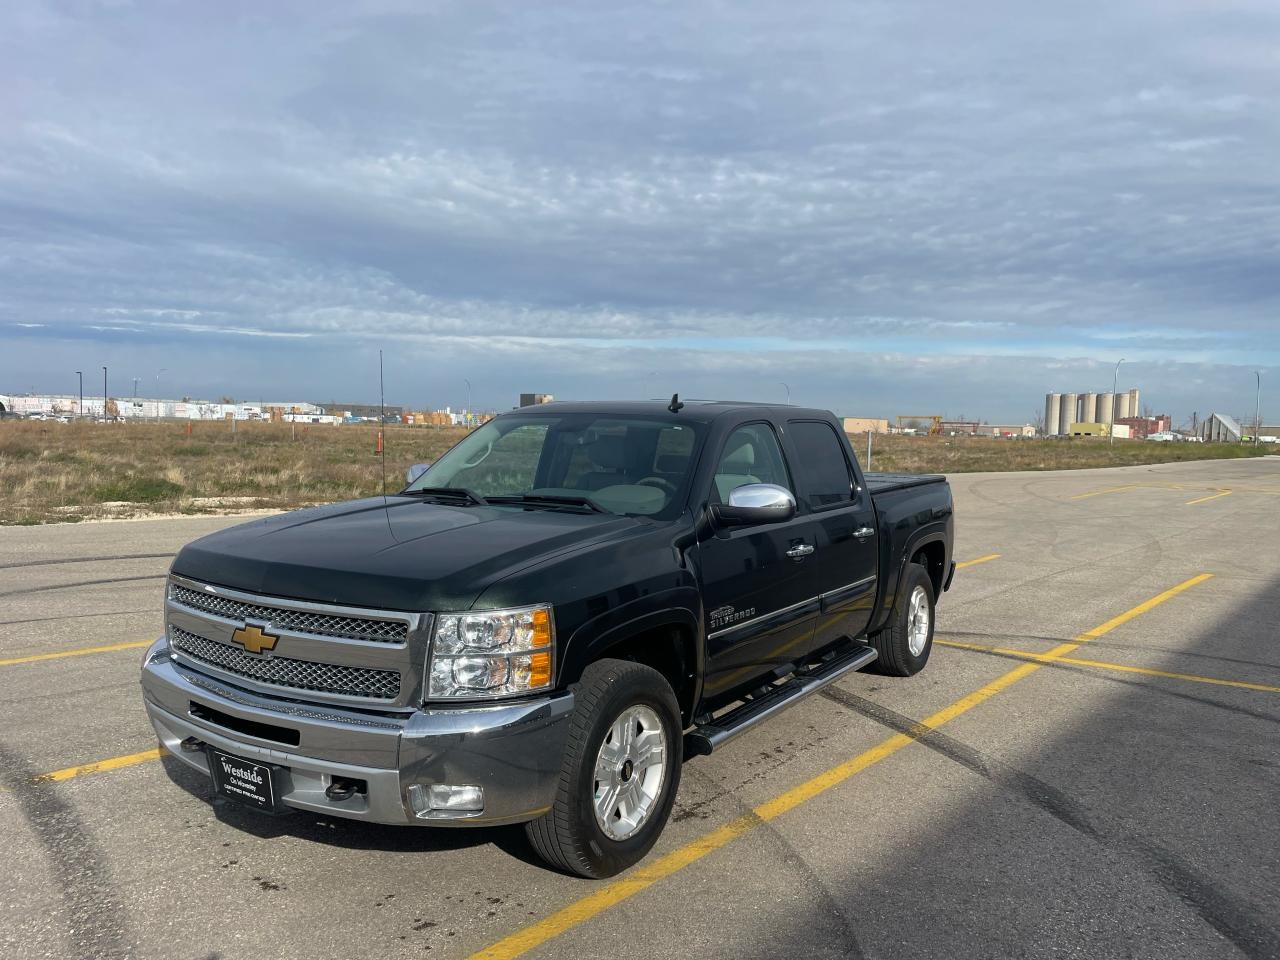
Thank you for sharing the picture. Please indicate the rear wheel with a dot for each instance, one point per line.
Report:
(619, 775)
(906, 641)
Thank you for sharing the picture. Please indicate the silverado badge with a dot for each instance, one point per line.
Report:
(253, 639)
(723, 616)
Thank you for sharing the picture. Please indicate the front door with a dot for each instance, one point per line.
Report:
(756, 580)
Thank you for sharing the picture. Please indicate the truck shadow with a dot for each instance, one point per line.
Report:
(1078, 812)
(343, 833)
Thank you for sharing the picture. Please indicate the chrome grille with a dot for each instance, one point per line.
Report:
(300, 621)
(329, 678)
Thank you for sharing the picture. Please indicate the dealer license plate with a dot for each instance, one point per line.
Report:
(242, 780)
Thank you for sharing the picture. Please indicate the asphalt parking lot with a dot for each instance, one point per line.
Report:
(1089, 766)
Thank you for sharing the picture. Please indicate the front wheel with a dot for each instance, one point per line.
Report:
(906, 641)
(619, 775)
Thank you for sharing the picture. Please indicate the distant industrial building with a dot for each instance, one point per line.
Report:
(138, 408)
(866, 425)
(1005, 430)
(359, 411)
(1062, 410)
(1143, 427)
(532, 399)
(1220, 428)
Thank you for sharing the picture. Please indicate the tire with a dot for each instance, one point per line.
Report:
(894, 643)
(570, 836)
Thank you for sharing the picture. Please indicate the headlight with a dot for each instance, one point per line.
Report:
(494, 653)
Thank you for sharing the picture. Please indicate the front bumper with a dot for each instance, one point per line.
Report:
(512, 750)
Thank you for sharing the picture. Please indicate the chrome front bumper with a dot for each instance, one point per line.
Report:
(512, 750)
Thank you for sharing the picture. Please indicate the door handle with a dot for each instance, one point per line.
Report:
(800, 550)
(863, 532)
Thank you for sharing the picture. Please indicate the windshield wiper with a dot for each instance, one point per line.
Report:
(448, 493)
(550, 500)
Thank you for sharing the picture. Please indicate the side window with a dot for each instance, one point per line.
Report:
(821, 470)
(751, 455)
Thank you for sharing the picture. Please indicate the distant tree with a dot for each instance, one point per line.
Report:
(227, 400)
(1037, 420)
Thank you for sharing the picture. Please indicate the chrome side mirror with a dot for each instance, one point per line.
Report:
(414, 472)
(757, 503)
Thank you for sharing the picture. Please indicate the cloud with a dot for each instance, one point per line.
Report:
(680, 186)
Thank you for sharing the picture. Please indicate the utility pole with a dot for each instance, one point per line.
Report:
(1111, 414)
(80, 412)
(104, 393)
(158, 372)
(1257, 409)
(135, 387)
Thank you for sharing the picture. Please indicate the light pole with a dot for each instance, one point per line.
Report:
(158, 372)
(468, 410)
(135, 387)
(104, 393)
(788, 389)
(80, 412)
(1111, 414)
(1257, 409)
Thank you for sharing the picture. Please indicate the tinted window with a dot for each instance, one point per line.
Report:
(751, 455)
(821, 471)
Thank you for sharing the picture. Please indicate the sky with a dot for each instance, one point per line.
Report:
(878, 208)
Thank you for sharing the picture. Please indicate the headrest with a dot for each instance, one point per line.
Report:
(608, 452)
(740, 460)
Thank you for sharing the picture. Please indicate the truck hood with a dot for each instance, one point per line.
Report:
(404, 554)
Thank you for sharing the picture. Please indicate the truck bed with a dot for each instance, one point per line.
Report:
(885, 482)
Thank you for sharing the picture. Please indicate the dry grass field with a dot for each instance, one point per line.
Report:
(902, 454)
(54, 472)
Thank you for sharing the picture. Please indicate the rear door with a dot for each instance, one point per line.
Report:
(843, 521)
(757, 583)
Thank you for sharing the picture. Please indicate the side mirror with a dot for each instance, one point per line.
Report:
(756, 503)
(414, 472)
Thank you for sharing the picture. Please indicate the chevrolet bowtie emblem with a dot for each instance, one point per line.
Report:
(253, 639)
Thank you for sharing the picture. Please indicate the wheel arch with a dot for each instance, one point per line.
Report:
(668, 639)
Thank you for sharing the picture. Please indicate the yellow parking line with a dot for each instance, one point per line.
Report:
(1144, 607)
(1223, 493)
(977, 560)
(1104, 665)
(1098, 493)
(78, 652)
(539, 932)
(100, 766)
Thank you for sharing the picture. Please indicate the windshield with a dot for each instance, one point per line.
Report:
(626, 465)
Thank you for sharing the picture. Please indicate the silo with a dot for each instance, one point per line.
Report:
(1106, 408)
(1124, 408)
(1088, 407)
(1133, 403)
(1068, 412)
(1052, 407)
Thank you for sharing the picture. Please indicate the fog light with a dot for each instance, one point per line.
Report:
(446, 801)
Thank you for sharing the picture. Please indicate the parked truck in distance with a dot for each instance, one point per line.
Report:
(546, 623)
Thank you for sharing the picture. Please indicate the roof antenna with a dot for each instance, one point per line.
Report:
(675, 404)
(382, 425)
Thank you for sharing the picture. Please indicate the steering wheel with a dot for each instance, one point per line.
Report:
(666, 486)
